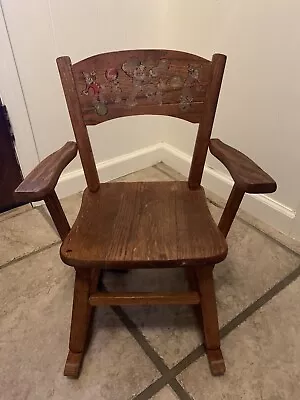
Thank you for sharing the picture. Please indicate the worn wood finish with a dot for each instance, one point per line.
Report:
(81, 319)
(57, 214)
(196, 228)
(206, 125)
(86, 282)
(81, 309)
(80, 130)
(43, 179)
(216, 362)
(210, 320)
(144, 224)
(137, 82)
(154, 226)
(136, 298)
(208, 307)
(246, 174)
(73, 364)
(192, 278)
(230, 210)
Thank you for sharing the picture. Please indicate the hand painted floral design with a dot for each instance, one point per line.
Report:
(91, 85)
(94, 88)
(175, 82)
(160, 69)
(150, 80)
(193, 78)
(185, 99)
(146, 77)
(111, 76)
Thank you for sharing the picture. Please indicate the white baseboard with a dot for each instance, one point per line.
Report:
(261, 206)
(74, 181)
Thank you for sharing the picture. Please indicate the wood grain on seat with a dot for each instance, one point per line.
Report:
(144, 223)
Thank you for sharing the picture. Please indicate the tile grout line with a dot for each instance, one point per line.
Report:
(46, 216)
(292, 251)
(140, 338)
(169, 374)
(8, 217)
(164, 172)
(14, 214)
(154, 357)
(32, 253)
(276, 241)
(260, 302)
(56, 242)
(243, 221)
(180, 391)
(240, 318)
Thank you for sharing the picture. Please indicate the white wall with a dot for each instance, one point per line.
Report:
(12, 96)
(258, 104)
(42, 30)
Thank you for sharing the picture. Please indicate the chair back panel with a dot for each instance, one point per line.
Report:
(138, 82)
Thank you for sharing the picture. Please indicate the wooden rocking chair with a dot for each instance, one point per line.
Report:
(143, 224)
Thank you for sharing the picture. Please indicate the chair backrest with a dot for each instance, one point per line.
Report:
(140, 82)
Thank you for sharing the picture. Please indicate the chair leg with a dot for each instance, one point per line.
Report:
(191, 276)
(82, 316)
(210, 320)
(190, 273)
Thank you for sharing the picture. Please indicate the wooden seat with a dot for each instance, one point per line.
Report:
(144, 223)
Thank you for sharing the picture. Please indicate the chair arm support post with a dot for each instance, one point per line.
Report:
(230, 210)
(57, 214)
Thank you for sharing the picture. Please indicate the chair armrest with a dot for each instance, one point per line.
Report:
(43, 179)
(247, 176)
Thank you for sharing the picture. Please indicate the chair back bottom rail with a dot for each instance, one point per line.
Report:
(145, 298)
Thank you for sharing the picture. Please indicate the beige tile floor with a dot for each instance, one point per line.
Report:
(149, 352)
